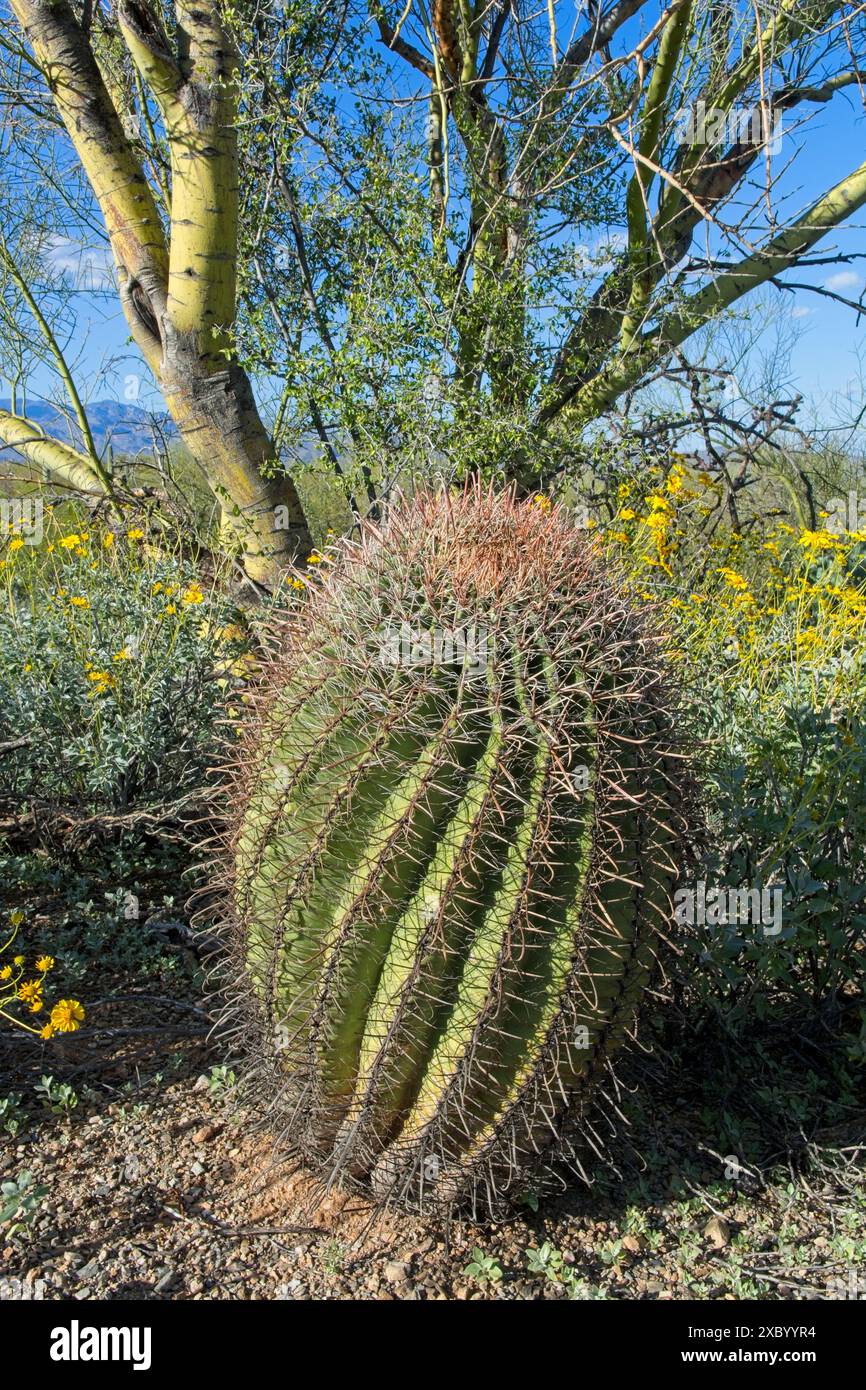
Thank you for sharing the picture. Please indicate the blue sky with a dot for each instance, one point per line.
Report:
(825, 358)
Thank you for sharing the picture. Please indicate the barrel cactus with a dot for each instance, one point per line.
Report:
(458, 810)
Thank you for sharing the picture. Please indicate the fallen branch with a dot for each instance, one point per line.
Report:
(14, 743)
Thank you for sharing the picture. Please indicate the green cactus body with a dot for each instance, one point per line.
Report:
(451, 879)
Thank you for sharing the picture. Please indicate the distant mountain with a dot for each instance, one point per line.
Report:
(125, 428)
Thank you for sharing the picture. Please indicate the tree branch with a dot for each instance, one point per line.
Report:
(60, 460)
(781, 253)
(125, 198)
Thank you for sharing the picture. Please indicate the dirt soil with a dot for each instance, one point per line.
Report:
(160, 1186)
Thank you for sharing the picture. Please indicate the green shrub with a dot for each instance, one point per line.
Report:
(767, 630)
(115, 663)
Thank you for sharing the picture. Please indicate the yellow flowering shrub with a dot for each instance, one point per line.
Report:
(767, 628)
(758, 606)
(112, 672)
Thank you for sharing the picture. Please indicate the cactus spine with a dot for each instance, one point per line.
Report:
(458, 816)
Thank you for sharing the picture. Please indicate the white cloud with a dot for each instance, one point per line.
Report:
(843, 280)
(801, 312)
(88, 268)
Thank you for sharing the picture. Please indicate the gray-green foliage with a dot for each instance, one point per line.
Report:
(112, 679)
(788, 801)
(20, 1200)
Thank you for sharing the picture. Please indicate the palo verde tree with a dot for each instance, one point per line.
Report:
(462, 232)
(492, 222)
(174, 243)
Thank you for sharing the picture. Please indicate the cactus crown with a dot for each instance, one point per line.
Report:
(457, 818)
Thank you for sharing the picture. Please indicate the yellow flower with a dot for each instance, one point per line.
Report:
(17, 960)
(193, 595)
(123, 655)
(314, 558)
(170, 608)
(102, 681)
(35, 1005)
(818, 540)
(135, 533)
(70, 542)
(67, 1016)
(80, 602)
(626, 514)
(45, 963)
(30, 990)
(16, 543)
(733, 579)
(658, 503)
(155, 588)
(539, 500)
(108, 540)
(47, 1032)
(6, 972)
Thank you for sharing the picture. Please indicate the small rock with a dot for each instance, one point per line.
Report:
(396, 1271)
(634, 1244)
(718, 1232)
(206, 1133)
